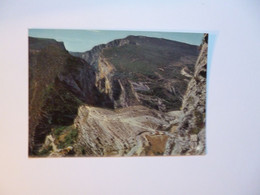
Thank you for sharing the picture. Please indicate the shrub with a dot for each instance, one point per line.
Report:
(45, 151)
(57, 131)
(70, 138)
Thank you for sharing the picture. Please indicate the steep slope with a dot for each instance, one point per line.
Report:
(189, 138)
(145, 71)
(58, 84)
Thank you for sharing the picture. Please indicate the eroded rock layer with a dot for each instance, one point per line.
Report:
(136, 130)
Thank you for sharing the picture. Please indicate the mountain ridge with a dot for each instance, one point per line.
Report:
(141, 61)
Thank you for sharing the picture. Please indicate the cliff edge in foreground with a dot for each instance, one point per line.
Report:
(189, 138)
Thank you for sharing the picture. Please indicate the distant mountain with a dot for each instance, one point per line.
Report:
(142, 70)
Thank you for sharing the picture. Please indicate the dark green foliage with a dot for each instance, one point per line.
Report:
(45, 151)
(61, 105)
(73, 65)
(144, 55)
(71, 135)
(51, 102)
(57, 131)
(143, 59)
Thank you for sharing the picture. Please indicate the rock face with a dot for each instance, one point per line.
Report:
(189, 138)
(92, 56)
(141, 70)
(136, 130)
(58, 84)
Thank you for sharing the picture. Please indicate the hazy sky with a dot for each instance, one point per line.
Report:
(84, 40)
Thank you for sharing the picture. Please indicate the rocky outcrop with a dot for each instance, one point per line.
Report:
(119, 89)
(189, 138)
(131, 131)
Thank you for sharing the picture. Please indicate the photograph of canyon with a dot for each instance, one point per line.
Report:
(102, 93)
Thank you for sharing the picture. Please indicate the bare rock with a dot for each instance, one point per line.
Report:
(189, 138)
(123, 132)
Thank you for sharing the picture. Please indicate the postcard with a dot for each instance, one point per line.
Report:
(104, 93)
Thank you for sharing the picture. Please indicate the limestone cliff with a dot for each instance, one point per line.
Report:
(140, 70)
(189, 138)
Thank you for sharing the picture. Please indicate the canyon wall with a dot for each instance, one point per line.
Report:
(189, 138)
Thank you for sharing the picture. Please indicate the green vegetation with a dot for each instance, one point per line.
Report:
(144, 59)
(61, 104)
(51, 103)
(43, 69)
(65, 136)
(57, 131)
(73, 65)
(45, 151)
(70, 139)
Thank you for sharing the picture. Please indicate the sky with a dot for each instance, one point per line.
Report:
(84, 40)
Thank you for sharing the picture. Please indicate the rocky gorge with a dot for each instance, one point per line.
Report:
(137, 96)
